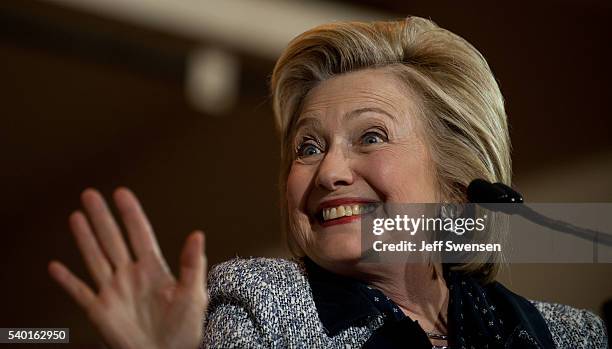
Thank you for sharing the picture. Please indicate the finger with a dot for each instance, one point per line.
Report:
(140, 232)
(75, 287)
(106, 228)
(97, 263)
(193, 262)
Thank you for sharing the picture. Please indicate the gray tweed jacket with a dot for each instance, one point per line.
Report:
(268, 303)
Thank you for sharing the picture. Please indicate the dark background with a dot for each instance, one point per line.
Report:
(92, 100)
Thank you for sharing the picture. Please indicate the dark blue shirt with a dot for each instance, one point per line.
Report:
(488, 316)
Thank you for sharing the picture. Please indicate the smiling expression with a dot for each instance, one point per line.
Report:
(358, 143)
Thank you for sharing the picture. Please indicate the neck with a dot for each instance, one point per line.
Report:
(418, 289)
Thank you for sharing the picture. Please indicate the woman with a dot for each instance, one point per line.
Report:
(369, 113)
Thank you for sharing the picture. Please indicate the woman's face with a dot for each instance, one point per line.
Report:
(357, 141)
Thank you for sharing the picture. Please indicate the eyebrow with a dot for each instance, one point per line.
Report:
(359, 111)
(309, 120)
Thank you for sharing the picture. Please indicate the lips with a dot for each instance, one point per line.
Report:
(343, 210)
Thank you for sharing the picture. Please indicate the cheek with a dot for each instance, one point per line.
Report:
(297, 185)
(299, 223)
(401, 175)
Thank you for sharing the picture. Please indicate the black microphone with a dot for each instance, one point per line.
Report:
(502, 198)
(484, 192)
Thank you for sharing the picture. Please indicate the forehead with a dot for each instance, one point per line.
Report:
(374, 88)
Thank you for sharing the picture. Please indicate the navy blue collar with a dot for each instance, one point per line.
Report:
(520, 314)
(343, 302)
(340, 301)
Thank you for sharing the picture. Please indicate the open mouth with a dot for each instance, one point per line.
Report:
(344, 213)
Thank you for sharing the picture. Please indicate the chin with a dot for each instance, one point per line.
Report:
(336, 252)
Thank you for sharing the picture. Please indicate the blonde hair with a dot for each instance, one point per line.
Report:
(461, 105)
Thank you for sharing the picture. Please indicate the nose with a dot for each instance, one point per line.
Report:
(335, 170)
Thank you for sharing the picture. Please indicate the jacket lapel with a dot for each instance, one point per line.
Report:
(340, 301)
(526, 324)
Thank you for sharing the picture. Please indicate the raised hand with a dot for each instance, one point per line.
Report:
(138, 302)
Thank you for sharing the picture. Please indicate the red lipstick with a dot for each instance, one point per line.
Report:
(338, 202)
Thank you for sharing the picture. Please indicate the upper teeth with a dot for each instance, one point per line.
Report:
(344, 210)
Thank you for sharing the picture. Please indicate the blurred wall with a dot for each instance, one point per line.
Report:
(89, 100)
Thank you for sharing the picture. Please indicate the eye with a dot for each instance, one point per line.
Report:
(307, 149)
(373, 138)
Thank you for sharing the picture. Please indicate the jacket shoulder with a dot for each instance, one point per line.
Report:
(247, 277)
(269, 301)
(247, 302)
(571, 327)
(264, 299)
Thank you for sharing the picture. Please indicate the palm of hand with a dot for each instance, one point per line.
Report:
(139, 303)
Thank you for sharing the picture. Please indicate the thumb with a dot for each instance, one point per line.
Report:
(193, 262)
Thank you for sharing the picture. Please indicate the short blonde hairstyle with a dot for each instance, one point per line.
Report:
(462, 108)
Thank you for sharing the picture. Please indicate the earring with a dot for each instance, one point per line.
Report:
(450, 211)
(447, 211)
